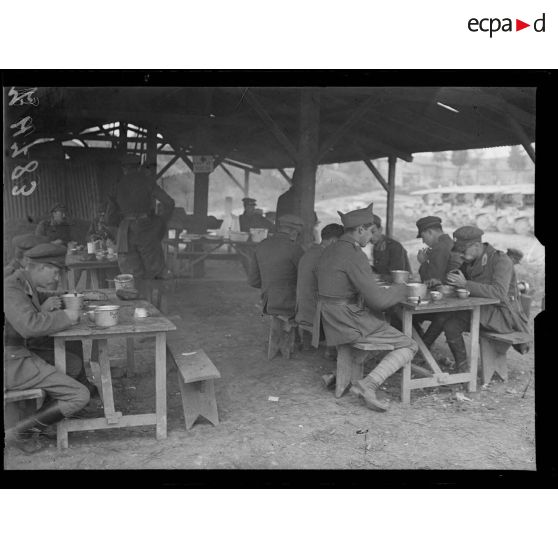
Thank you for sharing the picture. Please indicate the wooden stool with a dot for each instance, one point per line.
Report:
(493, 349)
(196, 374)
(350, 363)
(13, 401)
(281, 336)
(303, 331)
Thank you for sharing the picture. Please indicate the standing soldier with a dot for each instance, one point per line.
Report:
(138, 241)
(350, 304)
(273, 267)
(251, 218)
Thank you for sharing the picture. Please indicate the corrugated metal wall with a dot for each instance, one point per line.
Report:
(73, 183)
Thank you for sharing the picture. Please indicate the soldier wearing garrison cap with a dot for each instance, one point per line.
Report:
(251, 219)
(273, 267)
(31, 316)
(138, 239)
(486, 272)
(20, 245)
(57, 228)
(350, 304)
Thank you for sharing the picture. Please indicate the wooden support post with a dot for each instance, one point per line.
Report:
(151, 150)
(390, 195)
(123, 138)
(246, 183)
(377, 174)
(522, 137)
(304, 175)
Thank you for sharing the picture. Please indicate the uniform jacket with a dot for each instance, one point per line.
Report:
(25, 323)
(307, 284)
(344, 273)
(439, 261)
(255, 221)
(134, 197)
(273, 268)
(493, 276)
(55, 231)
(389, 255)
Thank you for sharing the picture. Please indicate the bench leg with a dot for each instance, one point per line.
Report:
(198, 400)
(493, 359)
(275, 331)
(344, 371)
(287, 342)
(61, 435)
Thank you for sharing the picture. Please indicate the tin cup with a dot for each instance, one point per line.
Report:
(140, 313)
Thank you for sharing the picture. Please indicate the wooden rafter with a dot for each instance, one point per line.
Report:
(286, 176)
(232, 163)
(522, 137)
(275, 129)
(383, 182)
(386, 147)
(167, 167)
(232, 177)
(355, 117)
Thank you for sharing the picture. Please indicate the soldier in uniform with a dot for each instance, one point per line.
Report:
(138, 240)
(30, 316)
(389, 255)
(487, 272)
(273, 267)
(350, 304)
(57, 229)
(307, 280)
(251, 218)
(21, 244)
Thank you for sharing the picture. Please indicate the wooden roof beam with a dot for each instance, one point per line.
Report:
(232, 177)
(522, 136)
(286, 176)
(346, 126)
(272, 125)
(167, 167)
(232, 163)
(383, 182)
(389, 150)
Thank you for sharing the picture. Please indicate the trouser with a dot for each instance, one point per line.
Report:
(74, 356)
(144, 257)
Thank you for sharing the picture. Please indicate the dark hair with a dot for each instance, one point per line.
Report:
(376, 220)
(332, 231)
(365, 225)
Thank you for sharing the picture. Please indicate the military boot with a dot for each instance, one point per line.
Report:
(457, 348)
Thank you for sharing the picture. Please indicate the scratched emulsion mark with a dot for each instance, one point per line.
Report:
(19, 97)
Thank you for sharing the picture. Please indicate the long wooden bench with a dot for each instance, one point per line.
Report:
(281, 336)
(493, 349)
(350, 364)
(196, 375)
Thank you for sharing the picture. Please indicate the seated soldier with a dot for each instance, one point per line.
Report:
(57, 229)
(307, 280)
(30, 317)
(21, 244)
(252, 218)
(388, 255)
(273, 267)
(489, 273)
(350, 304)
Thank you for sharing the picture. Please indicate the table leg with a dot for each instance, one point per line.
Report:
(130, 357)
(161, 384)
(474, 353)
(106, 381)
(407, 321)
(71, 280)
(94, 277)
(60, 365)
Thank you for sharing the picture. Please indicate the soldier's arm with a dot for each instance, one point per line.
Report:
(498, 284)
(166, 201)
(437, 265)
(29, 322)
(254, 276)
(397, 257)
(374, 296)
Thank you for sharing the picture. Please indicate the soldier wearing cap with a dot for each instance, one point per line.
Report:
(138, 240)
(389, 255)
(350, 304)
(489, 273)
(57, 228)
(307, 279)
(21, 244)
(31, 316)
(251, 218)
(273, 267)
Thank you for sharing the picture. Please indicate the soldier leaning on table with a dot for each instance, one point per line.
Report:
(21, 244)
(57, 228)
(30, 317)
(489, 273)
(351, 302)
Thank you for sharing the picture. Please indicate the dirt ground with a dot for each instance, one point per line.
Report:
(307, 428)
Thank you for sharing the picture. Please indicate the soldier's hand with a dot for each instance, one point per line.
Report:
(73, 315)
(456, 278)
(432, 283)
(422, 255)
(51, 303)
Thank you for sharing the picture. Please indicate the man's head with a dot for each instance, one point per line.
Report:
(249, 206)
(58, 213)
(429, 229)
(44, 262)
(468, 242)
(515, 254)
(376, 230)
(358, 224)
(331, 233)
(290, 224)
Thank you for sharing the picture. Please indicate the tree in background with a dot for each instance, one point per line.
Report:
(516, 160)
(459, 159)
(475, 161)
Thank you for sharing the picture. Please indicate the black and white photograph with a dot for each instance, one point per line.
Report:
(258, 273)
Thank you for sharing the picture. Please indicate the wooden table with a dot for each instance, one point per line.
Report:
(94, 271)
(436, 377)
(197, 250)
(99, 372)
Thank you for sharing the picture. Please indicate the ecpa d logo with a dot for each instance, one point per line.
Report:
(492, 25)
